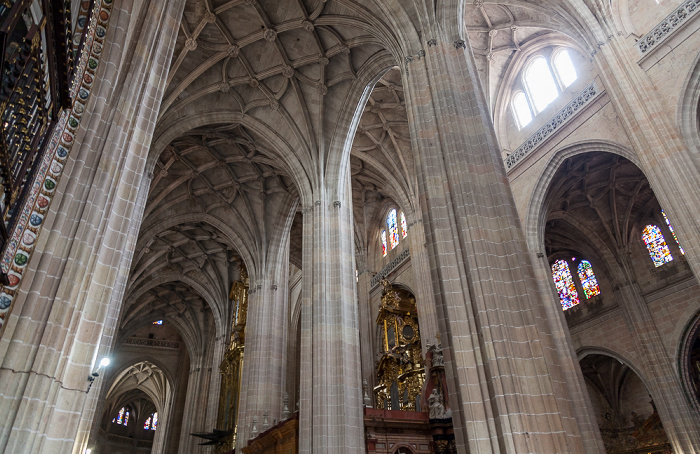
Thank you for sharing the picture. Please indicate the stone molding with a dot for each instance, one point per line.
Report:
(395, 263)
(562, 117)
(146, 342)
(668, 26)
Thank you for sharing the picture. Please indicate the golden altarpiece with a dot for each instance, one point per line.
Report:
(400, 366)
(232, 365)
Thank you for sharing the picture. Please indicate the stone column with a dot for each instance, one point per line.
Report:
(81, 264)
(330, 417)
(196, 403)
(487, 298)
(265, 360)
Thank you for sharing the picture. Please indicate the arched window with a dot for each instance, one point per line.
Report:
(656, 244)
(540, 84)
(588, 280)
(158, 322)
(122, 417)
(384, 248)
(521, 110)
(393, 228)
(568, 296)
(151, 422)
(404, 227)
(566, 72)
(673, 232)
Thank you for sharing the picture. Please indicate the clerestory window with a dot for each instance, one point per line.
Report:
(543, 80)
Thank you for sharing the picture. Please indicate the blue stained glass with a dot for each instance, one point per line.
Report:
(393, 228)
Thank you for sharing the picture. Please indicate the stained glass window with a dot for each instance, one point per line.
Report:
(540, 83)
(384, 248)
(588, 280)
(673, 232)
(656, 244)
(404, 227)
(151, 422)
(568, 296)
(393, 228)
(122, 417)
(158, 322)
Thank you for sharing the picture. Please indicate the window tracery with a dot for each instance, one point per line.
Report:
(656, 245)
(568, 296)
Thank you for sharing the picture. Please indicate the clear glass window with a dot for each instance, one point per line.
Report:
(541, 84)
(521, 109)
(564, 67)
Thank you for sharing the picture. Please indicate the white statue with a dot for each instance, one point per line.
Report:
(437, 409)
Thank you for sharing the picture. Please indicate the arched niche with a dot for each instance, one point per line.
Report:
(624, 410)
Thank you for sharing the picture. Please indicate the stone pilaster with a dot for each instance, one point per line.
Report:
(81, 264)
(425, 301)
(367, 322)
(483, 283)
(331, 387)
(196, 409)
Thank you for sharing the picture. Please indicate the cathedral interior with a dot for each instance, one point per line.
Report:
(350, 226)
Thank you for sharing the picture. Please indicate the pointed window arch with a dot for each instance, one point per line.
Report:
(656, 245)
(541, 84)
(588, 279)
(564, 68)
(392, 226)
(384, 247)
(568, 296)
(521, 110)
(673, 232)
